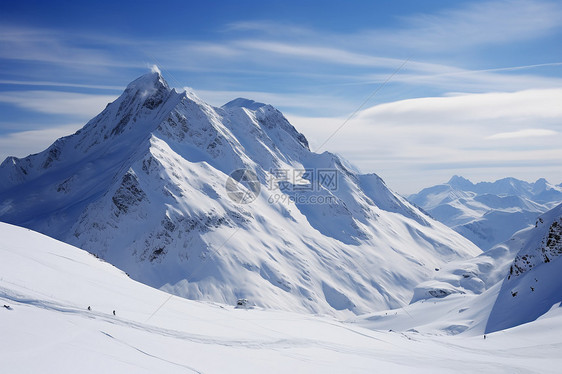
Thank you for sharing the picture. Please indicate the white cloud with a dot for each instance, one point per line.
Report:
(73, 51)
(315, 59)
(410, 143)
(525, 133)
(23, 143)
(55, 102)
(60, 84)
(453, 27)
(537, 103)
(286, 101)
(274, 49)
(270, 27)
(327, 55)
(492, 22)
(477, 80)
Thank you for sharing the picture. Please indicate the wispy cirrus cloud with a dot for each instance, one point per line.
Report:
(77, 52)
(59, 84)
(23, 143)
(469, 25)
(291, 100)
(525, 133)
(55, 102)
(263, 48)
(338, 56)
(454, 27)
(271, 28)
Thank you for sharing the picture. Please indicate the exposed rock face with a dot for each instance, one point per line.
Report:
(548, 249)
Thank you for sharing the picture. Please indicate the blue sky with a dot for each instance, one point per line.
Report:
(479, 93)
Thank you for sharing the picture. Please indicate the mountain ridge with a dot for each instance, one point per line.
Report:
(488, 213)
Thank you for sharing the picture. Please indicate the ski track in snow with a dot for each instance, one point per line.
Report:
(150, 355)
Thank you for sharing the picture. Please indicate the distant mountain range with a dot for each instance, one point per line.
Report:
(488, 213)
(226, 203)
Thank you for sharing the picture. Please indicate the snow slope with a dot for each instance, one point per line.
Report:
(142, 186)
(488, 213)
(533, 283)
(48, 286)
(527, 249)
(513, 283)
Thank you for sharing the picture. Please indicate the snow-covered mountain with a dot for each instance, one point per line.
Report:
(525, 250)
(47, 287)
(488, 213)
(142, 185)
(514, 283)
(534, 281)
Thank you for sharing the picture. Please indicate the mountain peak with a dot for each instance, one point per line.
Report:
(540, 185)
(243, 103)
(459, 181)
(149, 82)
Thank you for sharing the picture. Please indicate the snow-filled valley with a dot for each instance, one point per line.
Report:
(49, 285)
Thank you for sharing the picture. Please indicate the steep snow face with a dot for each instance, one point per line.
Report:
(533, 282)
(142, 186)
(50, 189)
(478, 274)
(513, 283)
(488, 213)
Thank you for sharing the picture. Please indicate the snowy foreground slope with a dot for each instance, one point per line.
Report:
(142, 186)
(488, 213)
(48, 286)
